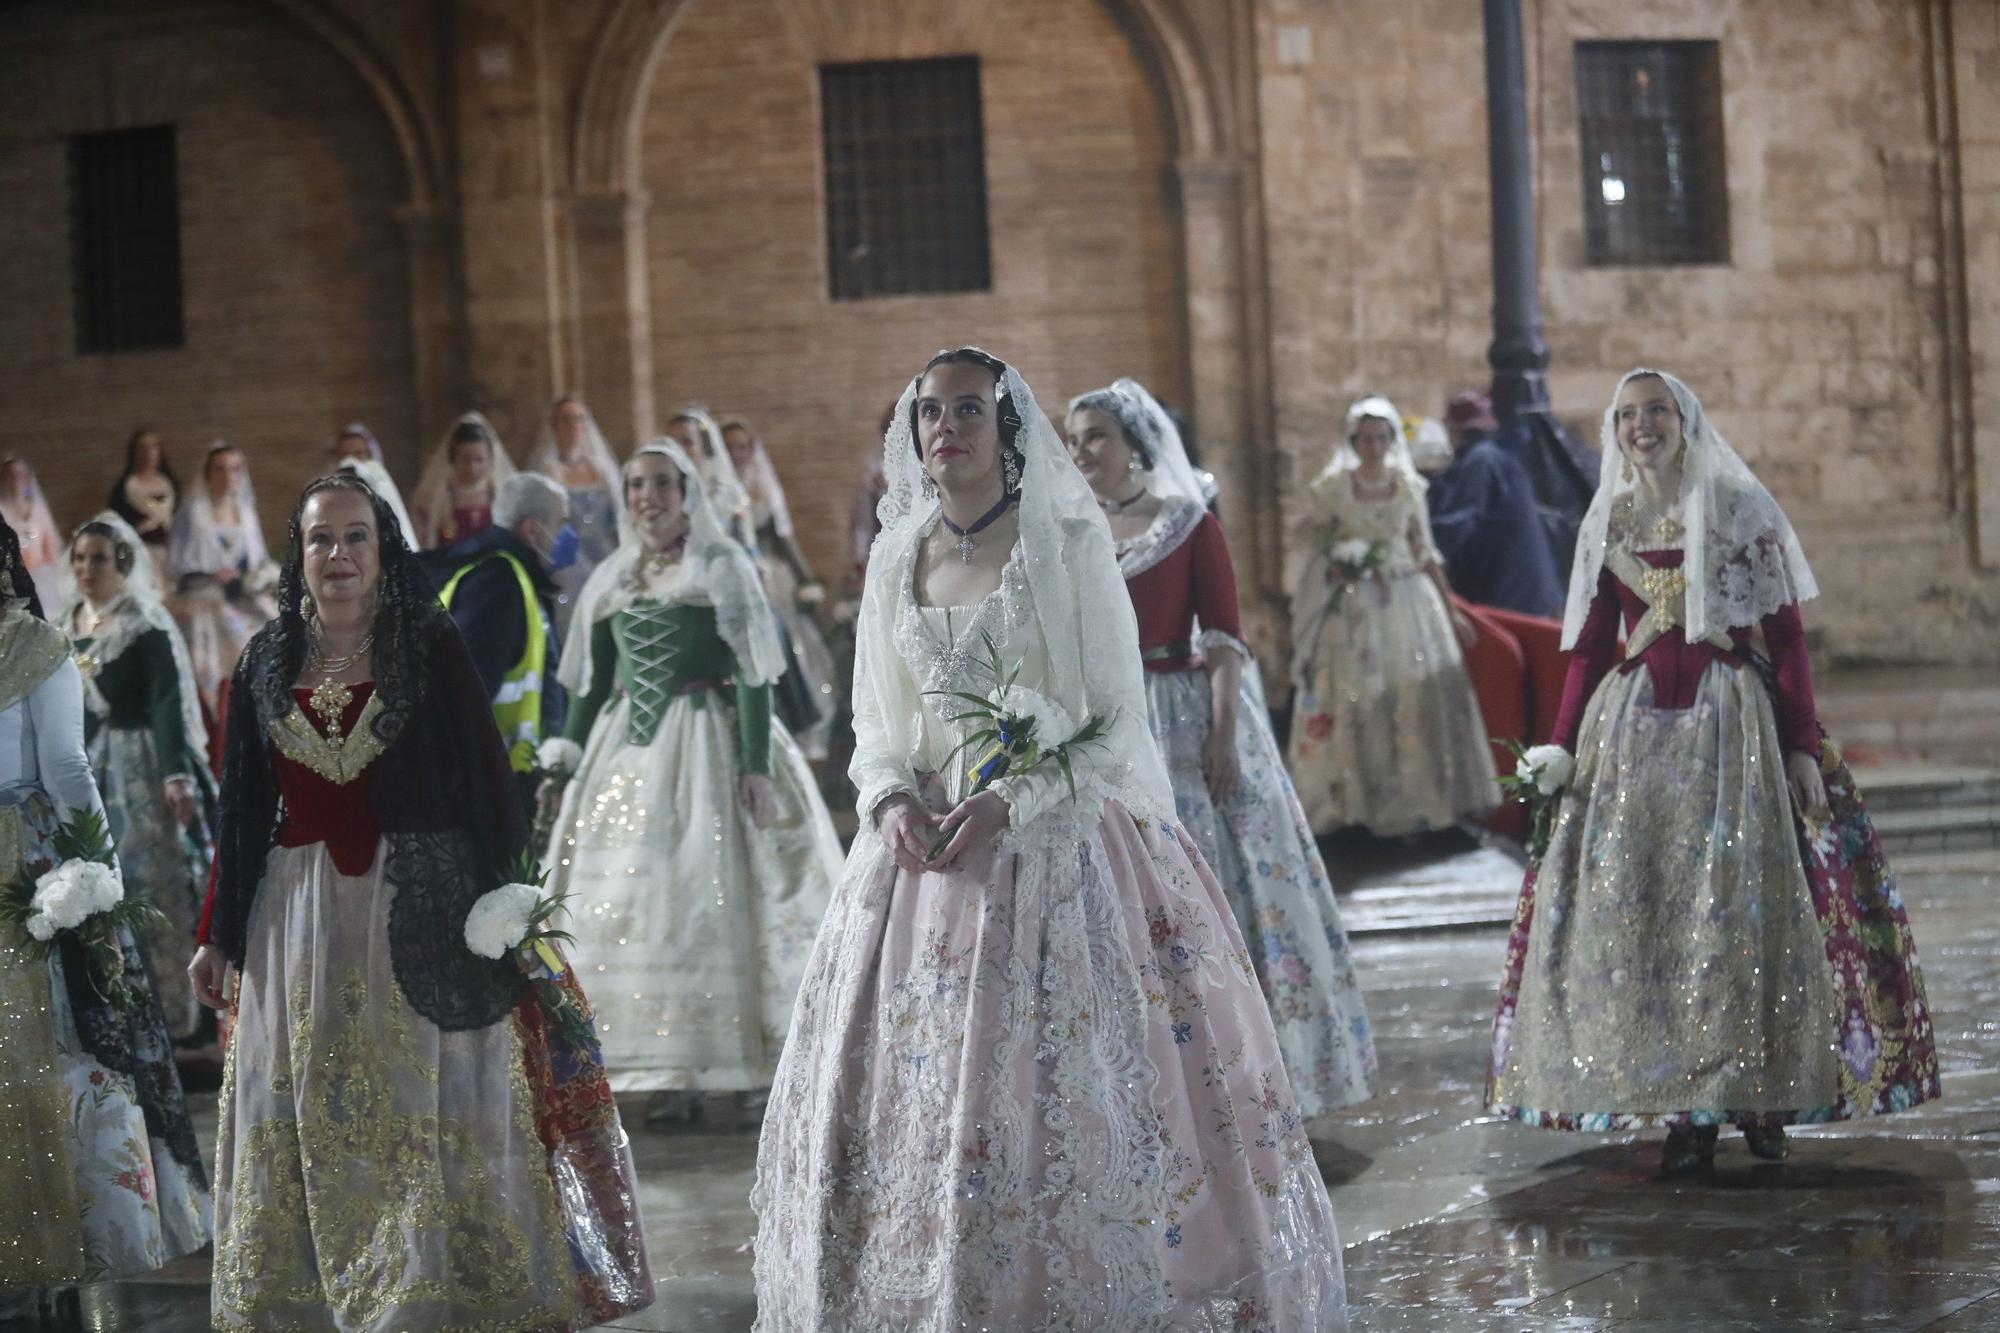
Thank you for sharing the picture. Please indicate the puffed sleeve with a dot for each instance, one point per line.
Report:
(879, 769)
(1596, 643)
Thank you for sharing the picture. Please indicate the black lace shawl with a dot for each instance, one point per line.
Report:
(445, 800)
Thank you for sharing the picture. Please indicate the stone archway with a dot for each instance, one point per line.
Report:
(1198, 64)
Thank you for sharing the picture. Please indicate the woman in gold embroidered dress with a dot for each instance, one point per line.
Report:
(385, 1162)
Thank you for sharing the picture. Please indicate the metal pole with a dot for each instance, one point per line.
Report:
(1519, 356)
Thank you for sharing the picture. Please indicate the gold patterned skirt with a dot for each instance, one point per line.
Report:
(373, 1172)
(1675, 963)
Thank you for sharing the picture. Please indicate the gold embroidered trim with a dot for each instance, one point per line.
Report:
(339, 761)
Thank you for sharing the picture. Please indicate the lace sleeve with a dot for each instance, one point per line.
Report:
(879, 768)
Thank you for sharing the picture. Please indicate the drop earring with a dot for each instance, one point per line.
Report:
(305, 605)
(1010, 467)
(1625, 469)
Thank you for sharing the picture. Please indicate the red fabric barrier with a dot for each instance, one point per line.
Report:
(1517, 671)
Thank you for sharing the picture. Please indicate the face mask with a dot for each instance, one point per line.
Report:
(563, 554)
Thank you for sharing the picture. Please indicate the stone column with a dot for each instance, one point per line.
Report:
(519, 321)
(615, 326)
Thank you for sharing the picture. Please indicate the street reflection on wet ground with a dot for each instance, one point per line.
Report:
(1458, 1224)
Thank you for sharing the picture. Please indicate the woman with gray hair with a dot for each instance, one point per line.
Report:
(1230, 785)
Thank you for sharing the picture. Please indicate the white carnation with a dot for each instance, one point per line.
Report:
(1052, 721)
(1353, 551)
(75, 891)
(558, 754)
(41, 927)
(1549, 767)
(498, 922)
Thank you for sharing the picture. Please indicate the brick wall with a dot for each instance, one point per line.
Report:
(297, 316)
(1084, 270)
(1819, 350)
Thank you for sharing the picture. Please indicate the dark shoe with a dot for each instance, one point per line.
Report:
(1769, 1144)
(1687, 1149)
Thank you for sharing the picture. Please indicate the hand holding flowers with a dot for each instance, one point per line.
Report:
(514, 921)
(1541, 773)
(1352, 560)
(80, 898)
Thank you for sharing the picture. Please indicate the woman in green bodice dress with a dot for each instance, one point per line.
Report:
(691, 834)
(143, 730)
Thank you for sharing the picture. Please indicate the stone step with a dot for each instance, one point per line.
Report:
(1889, 787)
(1938, 715)
(1946, 828)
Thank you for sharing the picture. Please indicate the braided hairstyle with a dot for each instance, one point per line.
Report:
(1007, 412)
(16, 584)
(408, 616)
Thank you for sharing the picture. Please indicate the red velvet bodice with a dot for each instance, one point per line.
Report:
(1196, 579)
(317, 809)
(1676, 666)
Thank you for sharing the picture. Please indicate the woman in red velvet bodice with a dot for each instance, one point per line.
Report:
(382, 1163)
(1711, 935)
(1206, 707)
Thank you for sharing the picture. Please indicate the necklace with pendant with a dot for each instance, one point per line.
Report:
(1120, 506)
(659, 562)
(1665, 530)
(331, 698)
(966, 546)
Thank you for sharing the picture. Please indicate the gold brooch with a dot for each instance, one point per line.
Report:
(87, 665)
(330, 699)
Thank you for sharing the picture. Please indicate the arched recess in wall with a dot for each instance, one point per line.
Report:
(1161, 71)
(293, 273)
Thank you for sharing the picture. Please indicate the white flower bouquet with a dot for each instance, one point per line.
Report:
(514, 921)
(1353, 559)
(1541, 773)
(1015, 727)
(79, 898)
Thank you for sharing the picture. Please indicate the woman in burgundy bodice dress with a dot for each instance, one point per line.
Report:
(405, 1142)
(1712, 935)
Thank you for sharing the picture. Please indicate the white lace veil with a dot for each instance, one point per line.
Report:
(1742, 561)
(1072, 589)
(1147, 424)
(718, 471)
(547, 460)
(433, 493)
(148, 602)
(1345, 459)
(199, 551)
(34, 511)
(761, 483)
(717, 565)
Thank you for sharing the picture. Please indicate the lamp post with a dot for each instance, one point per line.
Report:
(1519, 356)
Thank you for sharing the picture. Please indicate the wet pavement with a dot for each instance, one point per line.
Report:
(1458, 1224)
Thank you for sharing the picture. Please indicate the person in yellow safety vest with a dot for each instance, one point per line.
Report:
(500, 590)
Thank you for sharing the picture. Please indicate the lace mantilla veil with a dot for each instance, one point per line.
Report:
(1071, 588)
(1146, 423)
(142, 590)
(1400, 459)
(1743, 561)
(433, 493)
(718, 565)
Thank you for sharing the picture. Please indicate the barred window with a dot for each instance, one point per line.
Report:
(125, 239)
(905, 155)
(1654, 184)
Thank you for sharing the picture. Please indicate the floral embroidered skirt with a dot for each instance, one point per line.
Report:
(1692, 953)
(692, 925)
(90, 1097)
(1261, 850)
(158, 859)
(1387, 732)
(375, 1173)
(1039, 1090)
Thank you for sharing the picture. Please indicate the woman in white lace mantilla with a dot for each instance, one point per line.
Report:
(223, 573)
(1386, 731)
(1031, 1081)
(1208, 715)
(693, 837)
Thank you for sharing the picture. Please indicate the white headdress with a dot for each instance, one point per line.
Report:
(1345, 459)
(1147, 425)
(718, 472)
(148, 611)
(433, 491)
(761, 484)
(1073, 590)
(547, 459)
(715, 564)
(1742, 560)
(194, 547)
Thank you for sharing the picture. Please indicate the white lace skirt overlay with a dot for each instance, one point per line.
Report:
(1038, 1091)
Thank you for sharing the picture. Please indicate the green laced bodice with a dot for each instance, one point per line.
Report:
(658, 653)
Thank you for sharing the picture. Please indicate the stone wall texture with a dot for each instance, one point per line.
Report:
(1264, 208)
